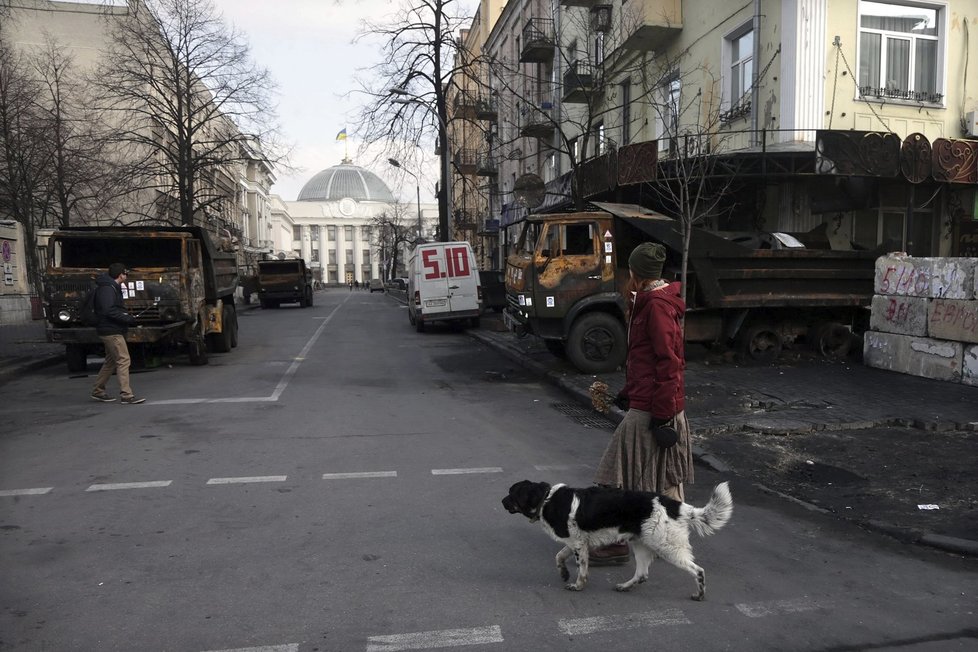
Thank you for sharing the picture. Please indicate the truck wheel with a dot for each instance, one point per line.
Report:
(221, 342)
(77, 358)
(308, 297)
(761, 343)
(596, 343)
(831, 340)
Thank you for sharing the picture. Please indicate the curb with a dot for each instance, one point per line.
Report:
(18, 367)
(714, 463)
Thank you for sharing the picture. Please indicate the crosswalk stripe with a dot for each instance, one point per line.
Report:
(245, 480)
(25, 492)
(486, 469)
(434, 639)
(580, 626)
(363, 474)
(775, 607)
(129, 485)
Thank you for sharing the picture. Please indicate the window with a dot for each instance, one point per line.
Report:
(314, 232)
(297, 233)
(348, 233)
(332, 256)
(366, 256)
(578, 240)
(365, 230)
(315, 256)
(349, 255)
(331, 233)
(667, 113)
(741, 67)
(598, 50)
(900, 51)
(575, 150)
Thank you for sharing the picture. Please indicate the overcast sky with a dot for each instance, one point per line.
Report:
(307, 45)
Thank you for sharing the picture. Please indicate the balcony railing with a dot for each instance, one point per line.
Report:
(538, 41)
(652, 23)
(924, 97)
(465, 104)
(465, 161)
(537, 121)
(580, 81)
(485, 108)
(486, 165)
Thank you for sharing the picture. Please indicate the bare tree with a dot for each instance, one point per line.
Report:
(407, 91)
(25, 153)
(187, 99)
(393, 229)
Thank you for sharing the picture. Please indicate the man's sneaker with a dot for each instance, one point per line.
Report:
(105, 398)
(131, 400)
(614, 554)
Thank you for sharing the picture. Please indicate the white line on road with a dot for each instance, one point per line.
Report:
(248, 479)
(428, 640)
(25, 492)
(560, 467)
(364, 474)
(580, 626)
(288, 647)
(129, 485)
(776, 607)
(486, 469)
(282, 384)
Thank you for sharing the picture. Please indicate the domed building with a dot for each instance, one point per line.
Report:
(333, 222)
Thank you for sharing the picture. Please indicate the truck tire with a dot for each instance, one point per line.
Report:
(77, 358)
(234, 328)
(830, 339)
(596, 343)
(308, 297)
(760, 343)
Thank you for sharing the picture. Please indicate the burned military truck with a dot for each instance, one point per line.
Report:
(565, 277)
(284, 281)
(180, 288)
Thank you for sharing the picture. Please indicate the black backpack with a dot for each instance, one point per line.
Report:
(89, 316)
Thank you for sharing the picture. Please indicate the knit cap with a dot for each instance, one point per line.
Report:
(647, 259)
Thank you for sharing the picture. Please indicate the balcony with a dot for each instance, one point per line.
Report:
(537, 121)
(465, 161)
(580, 3)
(580, 82)
(465, 105)
(486, 165)
(485, 108)
(538, 41)
(651, 24)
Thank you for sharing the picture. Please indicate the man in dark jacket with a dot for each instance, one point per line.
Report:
(113, 323)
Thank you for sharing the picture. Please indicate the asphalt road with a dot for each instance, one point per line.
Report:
(334, 483)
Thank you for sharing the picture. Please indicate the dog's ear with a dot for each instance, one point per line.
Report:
(528, 495)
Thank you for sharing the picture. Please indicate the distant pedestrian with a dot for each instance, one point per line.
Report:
(351, 286)
(113, 324)
(650, 450)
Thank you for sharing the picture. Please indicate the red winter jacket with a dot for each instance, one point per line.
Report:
(656, 363)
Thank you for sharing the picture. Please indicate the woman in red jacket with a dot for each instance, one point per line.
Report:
(642, 455)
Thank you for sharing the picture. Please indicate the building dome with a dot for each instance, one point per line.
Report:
(346, 181)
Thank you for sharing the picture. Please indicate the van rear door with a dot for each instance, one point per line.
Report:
(433, 280)
(463, 279)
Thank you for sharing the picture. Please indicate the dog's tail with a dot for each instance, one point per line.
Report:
(707, 520)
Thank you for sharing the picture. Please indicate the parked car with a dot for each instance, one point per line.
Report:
(399, 284)
(376, 285)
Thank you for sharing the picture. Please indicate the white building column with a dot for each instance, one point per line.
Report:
(306, 242)
(323, 255)
(803, 55)
(340, 253)
(358, 252)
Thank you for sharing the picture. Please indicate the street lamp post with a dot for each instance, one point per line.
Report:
(446, 173)
(394, 162)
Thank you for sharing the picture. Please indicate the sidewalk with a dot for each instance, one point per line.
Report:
(838, 437)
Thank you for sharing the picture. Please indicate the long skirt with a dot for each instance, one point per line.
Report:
(634, 461)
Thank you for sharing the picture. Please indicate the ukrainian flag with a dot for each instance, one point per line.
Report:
(341, 135)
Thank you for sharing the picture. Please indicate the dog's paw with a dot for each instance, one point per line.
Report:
(623, 588)
(699, 597)
(564, 573)
(576, 586)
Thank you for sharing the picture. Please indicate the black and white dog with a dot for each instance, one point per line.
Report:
(597, 516)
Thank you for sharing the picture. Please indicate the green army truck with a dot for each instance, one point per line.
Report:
(565, 277)
(180, 288)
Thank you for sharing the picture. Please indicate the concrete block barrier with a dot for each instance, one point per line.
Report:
(918, 356)
(969, 365)
(951, 319)
(903, 315)
(936, 278)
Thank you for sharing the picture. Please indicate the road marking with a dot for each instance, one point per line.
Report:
(487, 469)
(279, 388)
(580, 626)
(248, 479)
(443, 638)
(560, 467)
(129, 485)
(25, 492)
(364, 474)
(288, 647)
(776, 607)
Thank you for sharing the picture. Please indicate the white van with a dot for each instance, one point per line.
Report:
(443, 284)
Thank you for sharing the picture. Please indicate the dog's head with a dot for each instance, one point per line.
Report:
(525, 498)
